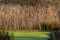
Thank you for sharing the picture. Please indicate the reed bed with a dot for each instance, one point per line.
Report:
(27, 15)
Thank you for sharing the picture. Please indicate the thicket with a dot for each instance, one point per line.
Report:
(5, 35)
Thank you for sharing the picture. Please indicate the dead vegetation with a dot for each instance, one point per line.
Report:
(26, 14)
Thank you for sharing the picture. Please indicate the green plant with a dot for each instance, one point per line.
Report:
(46, 26)
(5, 35)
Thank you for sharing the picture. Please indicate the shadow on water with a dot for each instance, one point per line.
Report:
(30, 38)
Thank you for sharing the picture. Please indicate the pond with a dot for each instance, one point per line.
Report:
(31, 38)
(24, 35)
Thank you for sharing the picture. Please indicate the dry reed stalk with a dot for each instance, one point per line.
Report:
(16, 16)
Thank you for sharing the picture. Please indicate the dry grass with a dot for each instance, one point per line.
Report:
(29, 16)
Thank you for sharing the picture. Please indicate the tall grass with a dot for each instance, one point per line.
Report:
(29, 16)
